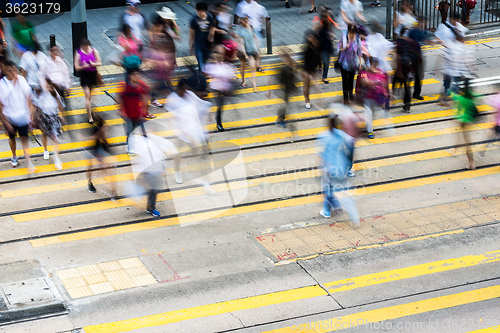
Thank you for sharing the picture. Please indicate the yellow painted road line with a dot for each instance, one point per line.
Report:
(412, 271)
(202, 311)
(196, 217)
(494, 329)
(263, 138)
(394, 312)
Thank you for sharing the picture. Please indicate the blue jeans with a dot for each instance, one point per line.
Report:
(130, 125)
(202, 54)
(325, 57)
(330, 186)
(447, 83)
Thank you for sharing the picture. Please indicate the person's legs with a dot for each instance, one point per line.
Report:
(220, 105)
(306, 78)
(345, 85)
(407, 96)
(282, 110)
(251, 61)
(369, 116)
(243, 64)
(417, 90)
(88, 99)
(257, 60)
(12, 144)
(200, 57)
(350, 87)
(346, 200)
(325, 56)
(26, 150)
(468, 151)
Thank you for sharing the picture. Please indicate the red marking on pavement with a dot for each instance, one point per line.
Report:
(385, 239)
(266, 237)
(402, 235)
(379, 217)
(176, 276)
(357, 243)
(287, 255)
(335, 225)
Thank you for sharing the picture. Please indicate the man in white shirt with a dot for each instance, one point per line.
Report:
(148, 165)
(256, 13)
(15, 111)
(134, 18)
(447, 32)
(31, 63)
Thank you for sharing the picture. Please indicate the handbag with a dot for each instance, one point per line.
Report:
(337, 66)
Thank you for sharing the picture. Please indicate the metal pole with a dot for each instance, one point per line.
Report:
(269, 37)
(52, 41)
(78, 24)
(388, 20)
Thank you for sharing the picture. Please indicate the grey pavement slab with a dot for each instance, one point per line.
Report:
(27, 291)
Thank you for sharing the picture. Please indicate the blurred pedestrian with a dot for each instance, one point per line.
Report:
(50, 105)
(86, 61)
(349, 60)
(351, 13)
(161, 60)
(449, 30)
(135, 20)
(16, 109)
(405, 20)
(3, 40)
(99, 154)
(419, 35)
(286, 78)
(408, 56)
(201, 35)
(335, 150)
(56, 69)
(249, 50)
(171, 30)
(222, 75)
(23, 32)
(379, 46)
(466, 114)
(494, 134)
(326, 38)
(148, 165)
(376, 83)
(133, 104)
(222, 22)
(312, 60)
(131, 55)
(32, 61)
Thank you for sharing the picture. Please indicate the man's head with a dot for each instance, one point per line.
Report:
(10, 69)
(134, 5)
(201, 9)
(54, 51)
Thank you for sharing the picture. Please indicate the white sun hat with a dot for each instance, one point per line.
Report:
(167, 14)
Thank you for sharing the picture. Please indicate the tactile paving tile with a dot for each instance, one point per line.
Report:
(337, 236)
(105, 277)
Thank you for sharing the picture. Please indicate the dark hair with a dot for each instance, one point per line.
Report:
(133, 71)
(85, 42)
(37, 47)
(126, 30)
(9, 63)
(183, 84)
(352, 28)
(49, 48)
(202, 6)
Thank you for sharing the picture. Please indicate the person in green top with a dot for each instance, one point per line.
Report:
(23, 32)
(466, 114)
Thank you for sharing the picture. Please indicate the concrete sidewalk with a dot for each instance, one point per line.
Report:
(288, 26)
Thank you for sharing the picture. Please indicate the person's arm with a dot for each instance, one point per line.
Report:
(211, 31)
(360, 15)
(77, 64)
(98, 61)
(344, 17)
(5, 121)
(177, 31)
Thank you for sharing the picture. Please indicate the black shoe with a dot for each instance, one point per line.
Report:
(420, 98)
(376, 4)
(220, 128)
(91, 188)
(312, 10)
(287, 4)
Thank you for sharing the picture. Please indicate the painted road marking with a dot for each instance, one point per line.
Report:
(196, 217)
(176, 194)
(494, 329)
(253, 302)
(269, 137)
(394, 312)
(202, 311)
(412, 271)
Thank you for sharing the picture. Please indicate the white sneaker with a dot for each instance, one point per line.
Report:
(14, 161)
(178, 178)
(351, 173)
(46, 155)
(324, 214)
(58, 165)
(308, 105)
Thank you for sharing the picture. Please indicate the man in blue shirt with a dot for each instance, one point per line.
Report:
(201, 34)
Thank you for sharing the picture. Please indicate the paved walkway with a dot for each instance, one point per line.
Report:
(288, 26)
